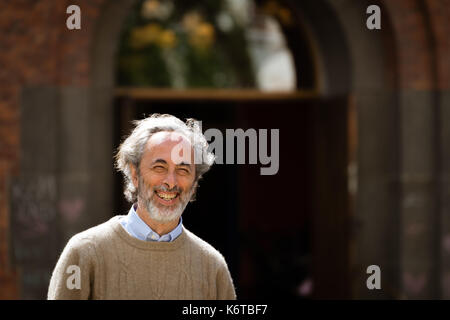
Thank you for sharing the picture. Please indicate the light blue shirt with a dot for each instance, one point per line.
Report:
(137, 228)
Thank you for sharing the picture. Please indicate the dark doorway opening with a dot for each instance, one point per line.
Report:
(269, 228)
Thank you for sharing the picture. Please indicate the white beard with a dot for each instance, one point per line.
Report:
(158, 212)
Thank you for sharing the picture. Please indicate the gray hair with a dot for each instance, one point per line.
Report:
(131, 150)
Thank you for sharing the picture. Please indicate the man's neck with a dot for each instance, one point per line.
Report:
(159, 228)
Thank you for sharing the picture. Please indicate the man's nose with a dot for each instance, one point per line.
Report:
(170, 180)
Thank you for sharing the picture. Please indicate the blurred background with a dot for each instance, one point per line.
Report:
(364, 120)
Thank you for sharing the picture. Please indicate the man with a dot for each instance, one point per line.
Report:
(149, 254)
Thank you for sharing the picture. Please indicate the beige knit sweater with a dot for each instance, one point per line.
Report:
(114, 265)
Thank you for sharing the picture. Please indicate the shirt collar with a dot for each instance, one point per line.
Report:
(144, 232)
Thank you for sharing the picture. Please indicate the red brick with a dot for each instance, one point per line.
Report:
(413, 52)
(439, 11)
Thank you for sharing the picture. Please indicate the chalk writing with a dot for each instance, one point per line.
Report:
(71, 209)
(33, 205)
(35, 233)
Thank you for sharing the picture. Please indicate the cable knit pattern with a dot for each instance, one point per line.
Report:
(115, 265)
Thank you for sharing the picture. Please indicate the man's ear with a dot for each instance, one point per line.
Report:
(134, 176)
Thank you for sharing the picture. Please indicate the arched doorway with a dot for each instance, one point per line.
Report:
(395, 80)
(268, 240)
(341, 70)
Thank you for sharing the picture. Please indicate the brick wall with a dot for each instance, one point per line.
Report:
(37, 49)
(413, 44)
(439, 12)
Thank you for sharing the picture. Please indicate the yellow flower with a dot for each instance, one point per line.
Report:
(191, 20)
(167, 39)
(150, 8)
(143, 36)
(202, 36)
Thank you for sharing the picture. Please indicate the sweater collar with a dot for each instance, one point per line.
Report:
(115, 224)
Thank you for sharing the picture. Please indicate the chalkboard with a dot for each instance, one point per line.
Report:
(34, 192)
(35, 232)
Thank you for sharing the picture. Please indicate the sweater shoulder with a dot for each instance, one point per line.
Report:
(94, 235)
(205, 248)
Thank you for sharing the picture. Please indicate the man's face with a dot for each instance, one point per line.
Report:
(167, 174)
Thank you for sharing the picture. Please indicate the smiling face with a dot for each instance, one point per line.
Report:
(165, 180)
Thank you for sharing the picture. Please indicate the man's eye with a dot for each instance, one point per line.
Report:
(159, 168)
(183, 170)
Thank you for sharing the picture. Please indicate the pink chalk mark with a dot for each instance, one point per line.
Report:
(414, 284)
(306, 287)
(446, 243)
(71, 208)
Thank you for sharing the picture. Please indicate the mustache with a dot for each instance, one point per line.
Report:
(164, 188)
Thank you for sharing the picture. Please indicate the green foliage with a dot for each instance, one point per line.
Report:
(206, 56)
